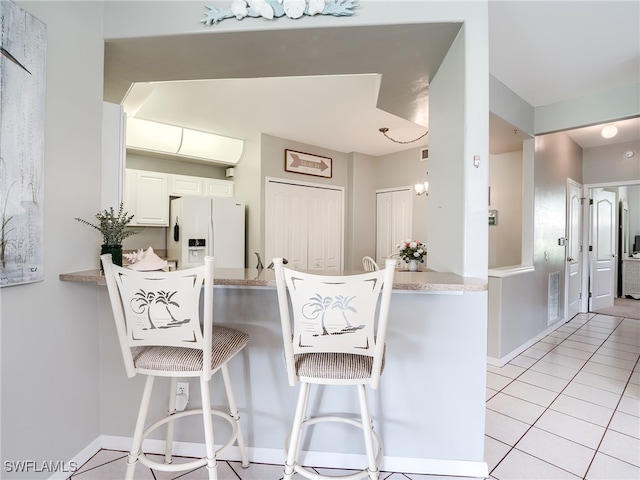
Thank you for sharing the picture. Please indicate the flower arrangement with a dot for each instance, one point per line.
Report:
(112, 225)
(412, 250)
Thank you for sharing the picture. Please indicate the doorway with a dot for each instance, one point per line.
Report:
(605, 285)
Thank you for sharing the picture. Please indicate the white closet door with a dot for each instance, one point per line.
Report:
(286, 225)
(394, 221)
(325, 229)
(304, 225)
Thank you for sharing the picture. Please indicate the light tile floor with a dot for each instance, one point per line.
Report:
(569, 406)
(566, 408)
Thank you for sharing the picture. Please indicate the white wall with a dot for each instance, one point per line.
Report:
(50, 402)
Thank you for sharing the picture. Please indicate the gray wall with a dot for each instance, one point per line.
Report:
(505, 181)
(522, 313)
(360, 237)
(405, 169)
(606, 164)
(50, 402)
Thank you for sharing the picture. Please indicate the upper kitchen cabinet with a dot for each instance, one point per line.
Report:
(218, 188)
(147, 198)
(180, 185)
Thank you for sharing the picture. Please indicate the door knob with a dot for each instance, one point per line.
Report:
(569, 259)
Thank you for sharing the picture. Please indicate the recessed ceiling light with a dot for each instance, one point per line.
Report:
(609, 131)
(629, 154)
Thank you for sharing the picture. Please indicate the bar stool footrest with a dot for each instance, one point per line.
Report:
(307, 473)
(179, 467)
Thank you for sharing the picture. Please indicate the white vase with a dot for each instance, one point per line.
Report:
(413, 265)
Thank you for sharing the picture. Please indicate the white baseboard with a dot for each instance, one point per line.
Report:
(501, 362)
(78, 460)
(275, 456)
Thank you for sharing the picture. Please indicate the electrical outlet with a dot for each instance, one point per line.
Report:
(182, 396)
(183, 389)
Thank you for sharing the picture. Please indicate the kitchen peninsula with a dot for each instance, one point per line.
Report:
(434, 365)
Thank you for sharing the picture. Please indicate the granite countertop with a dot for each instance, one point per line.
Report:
(425, 281)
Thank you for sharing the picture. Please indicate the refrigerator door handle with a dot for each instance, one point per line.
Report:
(210, 246)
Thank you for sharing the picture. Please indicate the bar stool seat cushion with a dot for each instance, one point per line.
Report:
(225, 344)
(337, 366)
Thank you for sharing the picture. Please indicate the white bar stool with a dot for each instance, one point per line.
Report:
(348, 350)
(157, 316)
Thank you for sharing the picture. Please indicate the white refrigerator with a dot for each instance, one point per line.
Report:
(202, 226)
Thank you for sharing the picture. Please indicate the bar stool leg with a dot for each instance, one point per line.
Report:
(233, 411)
(367, 429)
(136, 446)
(172, 408)
(212, 464)
(296, 431)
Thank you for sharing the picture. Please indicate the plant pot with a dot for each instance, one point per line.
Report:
(115, 251)
(413, 265)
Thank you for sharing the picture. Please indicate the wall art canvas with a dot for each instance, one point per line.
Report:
(22, 96)
(307, 164)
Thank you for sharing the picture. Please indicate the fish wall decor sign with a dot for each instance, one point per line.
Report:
(271, 9)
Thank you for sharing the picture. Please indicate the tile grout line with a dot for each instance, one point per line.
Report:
(611, 419)
(559, 393)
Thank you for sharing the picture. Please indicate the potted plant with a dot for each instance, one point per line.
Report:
(412, 252)
(112, 227)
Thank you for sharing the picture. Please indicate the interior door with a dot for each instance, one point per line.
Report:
(603, 249)
(573, 250)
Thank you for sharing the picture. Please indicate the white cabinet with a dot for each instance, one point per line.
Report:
(393, 221)
(184, 185)
(631, 277)
(147, 198)
(218, 188)
(304, 225)
(147, 194)
(180, 185)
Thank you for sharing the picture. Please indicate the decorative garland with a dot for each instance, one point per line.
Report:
(270, 9)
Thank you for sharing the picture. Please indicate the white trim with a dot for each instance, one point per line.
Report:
(502, 272)
(289, 181)
(79, 459)
(395, 189)
(501, 362)
(425, 466)
(623, 183)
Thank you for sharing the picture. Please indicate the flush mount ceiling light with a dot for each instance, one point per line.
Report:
(629, 154)
(384, 131)
(609, 131)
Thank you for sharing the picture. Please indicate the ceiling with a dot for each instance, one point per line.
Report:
(335, 87)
